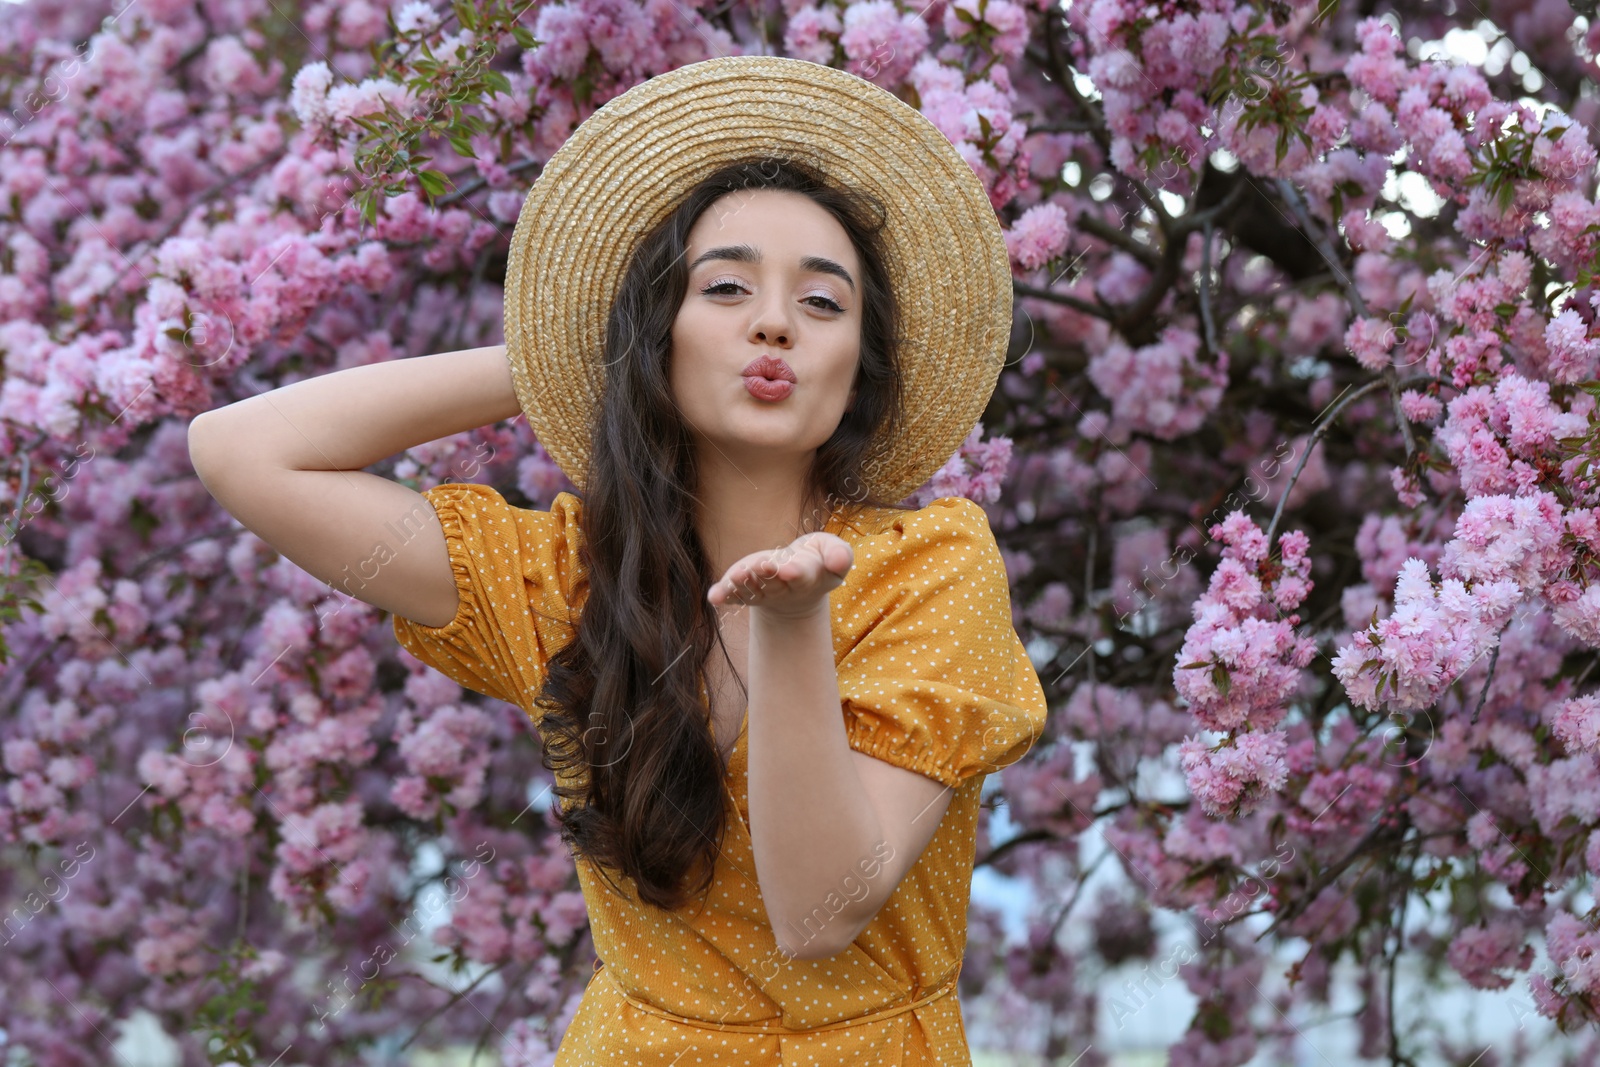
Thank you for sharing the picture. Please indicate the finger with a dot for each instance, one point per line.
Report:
(747, 589)
(750, 577)
(840, 558)
(781, 579)
(729, 588)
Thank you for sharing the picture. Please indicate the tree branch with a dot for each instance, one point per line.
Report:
(172, 227)
(1206, 319)
(464, 191)
(1379, 832)
(1317, 435)
(455, 998)
(1093, 224)
(1315, 232)
(1099, 311)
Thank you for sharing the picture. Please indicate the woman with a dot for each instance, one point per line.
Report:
(744, 360)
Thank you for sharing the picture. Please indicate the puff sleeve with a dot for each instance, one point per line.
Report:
(514, 571)
(935, 679)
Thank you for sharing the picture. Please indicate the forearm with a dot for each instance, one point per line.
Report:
(350, 419)
(807, 803)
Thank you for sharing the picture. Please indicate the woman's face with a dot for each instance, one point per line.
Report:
(771, 273)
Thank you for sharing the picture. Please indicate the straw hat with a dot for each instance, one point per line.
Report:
(630, 163)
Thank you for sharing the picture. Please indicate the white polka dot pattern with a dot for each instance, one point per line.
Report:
(932, 678)
(514, 570)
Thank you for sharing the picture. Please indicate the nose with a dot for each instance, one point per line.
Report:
(771, 324)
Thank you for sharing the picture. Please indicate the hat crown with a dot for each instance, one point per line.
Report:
(629, 165)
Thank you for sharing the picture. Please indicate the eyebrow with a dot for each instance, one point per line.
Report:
(749, 254)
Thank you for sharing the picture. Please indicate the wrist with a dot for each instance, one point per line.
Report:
(787, 618)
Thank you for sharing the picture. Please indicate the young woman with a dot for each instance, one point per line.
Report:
(751, 304)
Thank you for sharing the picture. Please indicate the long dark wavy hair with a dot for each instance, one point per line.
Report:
(622, 706)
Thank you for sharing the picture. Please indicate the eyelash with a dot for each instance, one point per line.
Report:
(832, 306)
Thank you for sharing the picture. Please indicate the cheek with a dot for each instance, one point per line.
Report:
(676, 334)
(680, 349)
(689, 337)
(677, 375)
(687, 373)
(849, 369)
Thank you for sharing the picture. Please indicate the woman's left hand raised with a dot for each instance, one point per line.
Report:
(788, 581)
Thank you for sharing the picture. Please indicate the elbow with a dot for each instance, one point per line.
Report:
(817, 948)
(818, 935)
(199, 439)
(210, 451)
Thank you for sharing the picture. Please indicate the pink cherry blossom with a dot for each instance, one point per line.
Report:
(205, 746)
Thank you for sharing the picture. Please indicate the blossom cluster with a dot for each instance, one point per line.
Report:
(220, 779)
(1240, 664)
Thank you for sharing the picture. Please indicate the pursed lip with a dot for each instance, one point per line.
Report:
(770, 368)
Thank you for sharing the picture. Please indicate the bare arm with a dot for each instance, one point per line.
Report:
(824, 819)
(350, 419)
(288, 465)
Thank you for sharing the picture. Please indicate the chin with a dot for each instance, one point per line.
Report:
(769, 436)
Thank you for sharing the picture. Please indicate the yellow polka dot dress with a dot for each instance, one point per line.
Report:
(932, 678)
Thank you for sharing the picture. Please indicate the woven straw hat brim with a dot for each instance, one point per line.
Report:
(630, 163)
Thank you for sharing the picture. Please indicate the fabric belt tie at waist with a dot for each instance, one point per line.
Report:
(943, 988)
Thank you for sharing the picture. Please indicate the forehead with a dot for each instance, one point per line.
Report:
(781, 220)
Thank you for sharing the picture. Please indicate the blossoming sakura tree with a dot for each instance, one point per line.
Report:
(1292, 469)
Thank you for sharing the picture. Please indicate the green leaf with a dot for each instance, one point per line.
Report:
(433, 181)
(525, 37)
(497, 81)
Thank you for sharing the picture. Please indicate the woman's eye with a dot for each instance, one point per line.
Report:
(720, 288)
